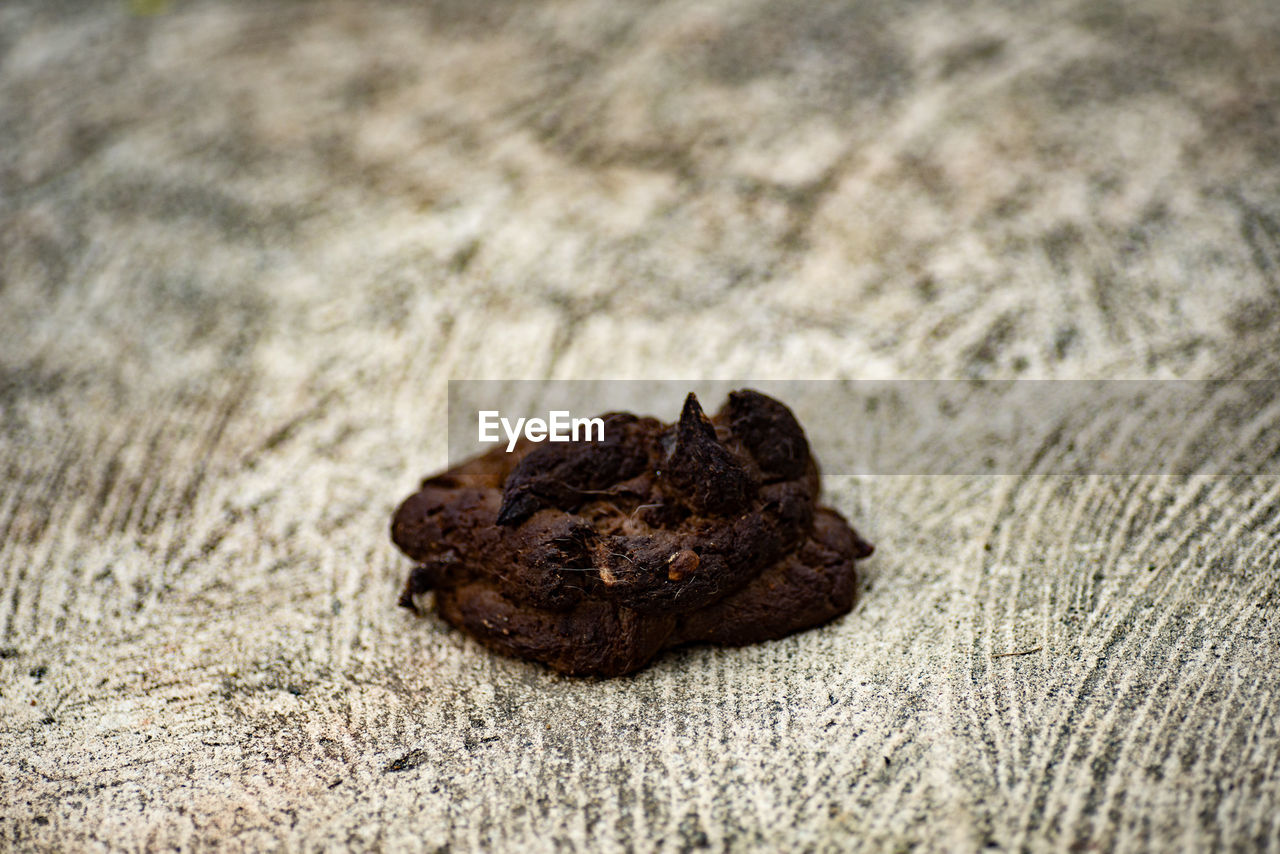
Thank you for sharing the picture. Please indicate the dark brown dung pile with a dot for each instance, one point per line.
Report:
(593, 556)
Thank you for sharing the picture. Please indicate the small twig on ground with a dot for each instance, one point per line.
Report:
(1022, 652)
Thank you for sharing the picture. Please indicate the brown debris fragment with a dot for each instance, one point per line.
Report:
(592, 557)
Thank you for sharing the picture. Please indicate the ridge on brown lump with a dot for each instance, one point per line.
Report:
(592, 557)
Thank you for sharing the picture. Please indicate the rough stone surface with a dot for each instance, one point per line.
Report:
(243, 245)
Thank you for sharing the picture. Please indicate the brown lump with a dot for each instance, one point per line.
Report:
(593, 556)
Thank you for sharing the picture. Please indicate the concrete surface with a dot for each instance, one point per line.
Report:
(243, 245)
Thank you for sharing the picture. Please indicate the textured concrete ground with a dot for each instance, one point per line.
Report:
(244, 245)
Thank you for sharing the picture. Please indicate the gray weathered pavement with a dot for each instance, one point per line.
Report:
(243, 245)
